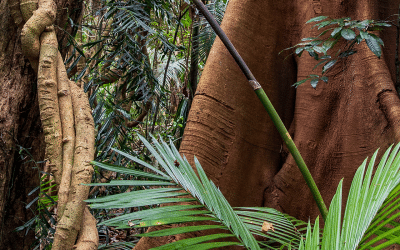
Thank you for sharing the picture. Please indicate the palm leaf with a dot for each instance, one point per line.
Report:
(210, 206)
(372, 200)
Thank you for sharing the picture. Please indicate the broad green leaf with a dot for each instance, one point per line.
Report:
(383, 24)
(328, 65)
(348, 34)
(329, 44)
(308, 39)
(317, 19)
(364, 35)
(374, 46)
(377, 38)
(296, 84)
(316, 42)
(347, 53)
(336, 31)
(319, 63)
(299, 50)
(362, 25)
(319, 49)
(358, 39)
(313, 54)
(324, 24)
(314, 82)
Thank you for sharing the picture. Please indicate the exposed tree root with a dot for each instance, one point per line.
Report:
(67, 124)
(48, 102)
(67, 121)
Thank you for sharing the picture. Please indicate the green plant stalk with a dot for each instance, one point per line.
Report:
(293, 150)
(269, 107)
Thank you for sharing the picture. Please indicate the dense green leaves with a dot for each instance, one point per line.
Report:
(374, 46)
(352, 31)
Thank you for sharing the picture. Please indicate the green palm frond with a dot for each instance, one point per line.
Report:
(372, 200)
(176, 183)
(117, 246)
(369, 216)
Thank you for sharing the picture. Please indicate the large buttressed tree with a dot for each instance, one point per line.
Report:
(335, 126)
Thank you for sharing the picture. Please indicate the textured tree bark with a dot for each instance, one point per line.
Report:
(39, 44)
(20, 122)
(19, 126)
(335, 126)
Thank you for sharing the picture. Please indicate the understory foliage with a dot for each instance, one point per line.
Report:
(368, 217)
(133, 59)
(348, 33)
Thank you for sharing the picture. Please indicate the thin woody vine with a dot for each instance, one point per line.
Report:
(67, 124)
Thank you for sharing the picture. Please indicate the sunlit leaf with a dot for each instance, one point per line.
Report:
(348, 34)
(317, 19)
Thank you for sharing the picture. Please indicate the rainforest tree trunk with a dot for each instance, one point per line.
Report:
(335, 126)
(20, 125)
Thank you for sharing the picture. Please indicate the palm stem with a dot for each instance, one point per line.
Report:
(268, 106)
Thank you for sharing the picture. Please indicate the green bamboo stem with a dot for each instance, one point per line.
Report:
(293, 150)
(269, 107)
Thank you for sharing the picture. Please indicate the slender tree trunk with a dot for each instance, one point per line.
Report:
(20, 124)
(335, 126)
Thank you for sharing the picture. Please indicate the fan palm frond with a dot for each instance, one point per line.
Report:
(176, 183)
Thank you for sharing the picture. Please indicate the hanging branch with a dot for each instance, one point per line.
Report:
(268, 106)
